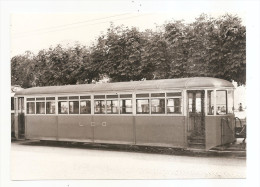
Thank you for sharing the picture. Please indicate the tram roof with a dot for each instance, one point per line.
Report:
(162, 84)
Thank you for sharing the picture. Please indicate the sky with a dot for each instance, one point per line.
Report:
(30, 31)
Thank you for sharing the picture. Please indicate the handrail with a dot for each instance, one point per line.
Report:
(240, 132)
(236, 122)
(243, 129)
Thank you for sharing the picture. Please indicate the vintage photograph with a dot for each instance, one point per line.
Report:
(129, 94)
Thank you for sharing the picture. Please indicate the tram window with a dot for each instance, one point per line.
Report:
(158, 95)
(99, 96)
(173, 94)
(210, 101)
(12, 103)
(74, 97)
(50, 107)
(21, 103)
(30, 107)
(230, 102)
(173, 105)
(62, 98)
(125, 95)
(85, 107)
(15, 105)
(142, 95)
(112, 96)
(112, 106)
(63, 107)
(99, 107)
(30, 99)
(142, 106)
(73, 107)
(221, 102)
(126, 106)
(40, 107)
(50, 98)
(158, 106)
(198, 102)
(40, 99)
(85, 97)
(190, 102)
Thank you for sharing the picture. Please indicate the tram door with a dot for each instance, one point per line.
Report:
(196, 117)
(21, 120)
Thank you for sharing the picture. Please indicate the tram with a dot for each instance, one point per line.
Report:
(178, 113)
(13, 90)
(12, 116)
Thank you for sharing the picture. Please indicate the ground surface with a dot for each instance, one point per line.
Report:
(36, 160)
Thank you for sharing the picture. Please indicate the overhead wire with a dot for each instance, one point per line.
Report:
(75, 23)
(65, 27)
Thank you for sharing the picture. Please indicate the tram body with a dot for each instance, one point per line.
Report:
(12, 115)
(178, 113)
(14, 88)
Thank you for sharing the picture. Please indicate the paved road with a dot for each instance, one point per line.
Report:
(39, 161)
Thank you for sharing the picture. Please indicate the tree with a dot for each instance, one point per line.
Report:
(121, 59)
(214, 47)
(155, 56)
(208, 47)
(22, 70)
(178, 44)
(231, 64)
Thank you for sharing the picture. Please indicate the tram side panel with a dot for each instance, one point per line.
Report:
(217, 132)
(166, 131)
(228, 129)
(41, 127)
(75, 128)
(213, 132)
(113, 129)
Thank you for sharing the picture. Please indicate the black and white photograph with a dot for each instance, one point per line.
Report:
(122, 92)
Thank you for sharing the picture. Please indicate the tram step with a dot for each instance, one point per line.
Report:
(197, 141)
(197, 145)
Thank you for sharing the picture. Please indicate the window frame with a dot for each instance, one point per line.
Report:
(143, 98)
(99, 99)
(63, 100)
(153, 98)
(42, 100)
(36, 108)
(175, 97)
(55, 109)
(27, 112)
(121, 108)
(119, 97)
(179, 94)
(31, 99)
(226, 97)
(233, 101)
(85, 99)
(74, 100)
(215, 100)
(117, 107)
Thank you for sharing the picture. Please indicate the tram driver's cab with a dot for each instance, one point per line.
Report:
(206, 107)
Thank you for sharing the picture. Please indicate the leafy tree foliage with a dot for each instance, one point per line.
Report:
(22, 70)
(207, 47)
